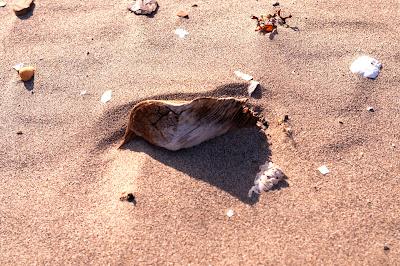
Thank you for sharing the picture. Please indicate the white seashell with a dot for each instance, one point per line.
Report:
(270, 174)
(176, 125)
(366, 66)
(181, 33)
(106, 96)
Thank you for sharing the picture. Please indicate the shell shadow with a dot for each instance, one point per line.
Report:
(229, 162)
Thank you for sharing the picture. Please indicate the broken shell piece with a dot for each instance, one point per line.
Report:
(106, 96)
(83, 92)
(18, 66)
(323, 169)
(26, 73)
(230, 213)
(366, 66)
(252, 87)
(3, 3)
(144, 7)
(177, 125)
(181, 33)
(242, 75)
(370, 109)
(270, 174)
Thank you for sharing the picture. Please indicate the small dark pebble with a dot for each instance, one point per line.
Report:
(195, 5)
(87, 53)
(130, 197)
(19, 132)
(286, 118)
(386, 247)
(275, 4)
(341, 122)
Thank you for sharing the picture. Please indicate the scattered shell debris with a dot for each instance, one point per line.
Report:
(323, 169)
(270, 174)
(107, 95)
(366, 66)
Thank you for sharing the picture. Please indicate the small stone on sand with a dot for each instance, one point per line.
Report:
(26, 73)
(3, 3)
(22, 7)
(182, 14)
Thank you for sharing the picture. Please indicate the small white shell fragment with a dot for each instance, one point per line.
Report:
(366, 66)
(3, 3)
(270, 174)
(323, 169)
(18, 66)
(106, 96)
(370, 109)
(252, 87)
(181, 33)
(242, 75)
(83, 92)
(230, 213)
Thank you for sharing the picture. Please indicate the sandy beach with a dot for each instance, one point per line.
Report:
(61, 179)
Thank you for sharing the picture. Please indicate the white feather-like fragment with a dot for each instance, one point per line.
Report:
(270, 174)
(242, 75)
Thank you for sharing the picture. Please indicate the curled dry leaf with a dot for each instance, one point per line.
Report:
(177, 125)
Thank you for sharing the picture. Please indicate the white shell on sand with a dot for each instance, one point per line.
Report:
(366, 66)
(106, 96)
(270, 174)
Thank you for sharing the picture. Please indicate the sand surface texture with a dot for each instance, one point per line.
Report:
(62, 178)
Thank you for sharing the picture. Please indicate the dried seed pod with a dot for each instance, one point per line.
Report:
(176, 125)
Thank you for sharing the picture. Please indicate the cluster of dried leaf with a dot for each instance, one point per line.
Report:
(270, 22)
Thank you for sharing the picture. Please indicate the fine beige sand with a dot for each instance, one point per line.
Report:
(62, 178)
